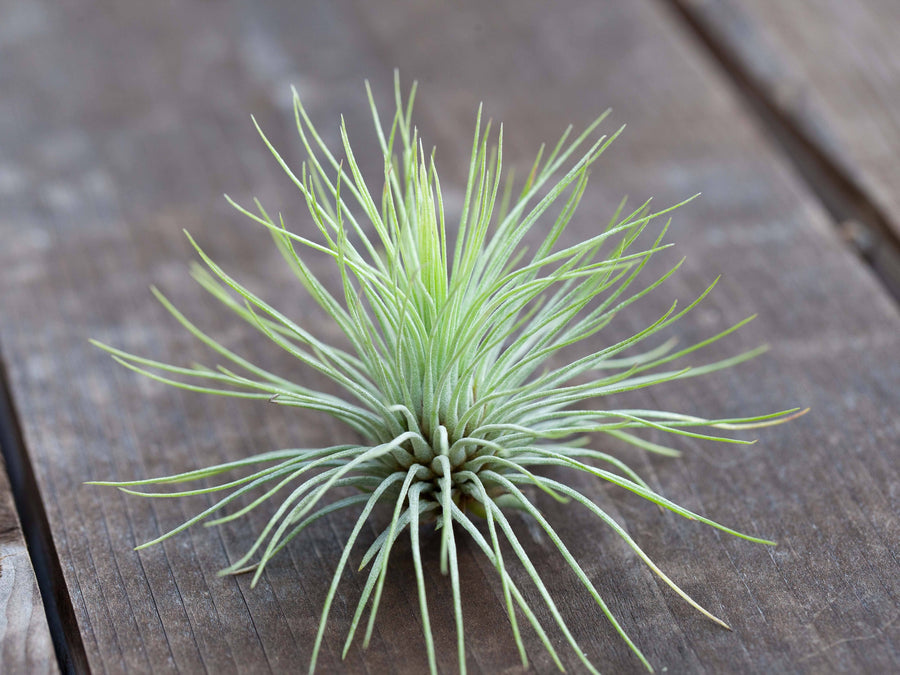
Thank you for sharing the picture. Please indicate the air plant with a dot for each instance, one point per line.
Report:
(454, 390)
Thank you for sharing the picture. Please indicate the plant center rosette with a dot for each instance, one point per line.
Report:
(455, 374)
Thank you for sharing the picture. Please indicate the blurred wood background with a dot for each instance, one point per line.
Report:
(123, 122)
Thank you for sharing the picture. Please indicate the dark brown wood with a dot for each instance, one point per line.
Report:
(123, 122)
(25, 644)
(828, 76)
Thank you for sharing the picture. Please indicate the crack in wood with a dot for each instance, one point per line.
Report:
(860, 222)
(57, 604)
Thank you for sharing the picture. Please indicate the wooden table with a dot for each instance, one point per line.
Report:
(123, 122)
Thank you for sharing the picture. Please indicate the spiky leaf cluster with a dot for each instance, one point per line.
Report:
(452, 377)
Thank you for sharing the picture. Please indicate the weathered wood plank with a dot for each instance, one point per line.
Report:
(25, 644)
(831, 71)
(127, 130)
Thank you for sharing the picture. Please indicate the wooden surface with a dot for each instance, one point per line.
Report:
(25, 644)
(121, 123)
(831, 71)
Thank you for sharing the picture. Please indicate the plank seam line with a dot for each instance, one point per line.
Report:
(58, 608)
(861, 224)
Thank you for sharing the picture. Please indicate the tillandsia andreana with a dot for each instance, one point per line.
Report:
(449, 380)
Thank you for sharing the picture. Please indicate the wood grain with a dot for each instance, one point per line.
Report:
(123, 122)
(831, 71)
(25, 644)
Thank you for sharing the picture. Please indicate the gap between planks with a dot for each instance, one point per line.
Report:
(861, 224)
(67, 643)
